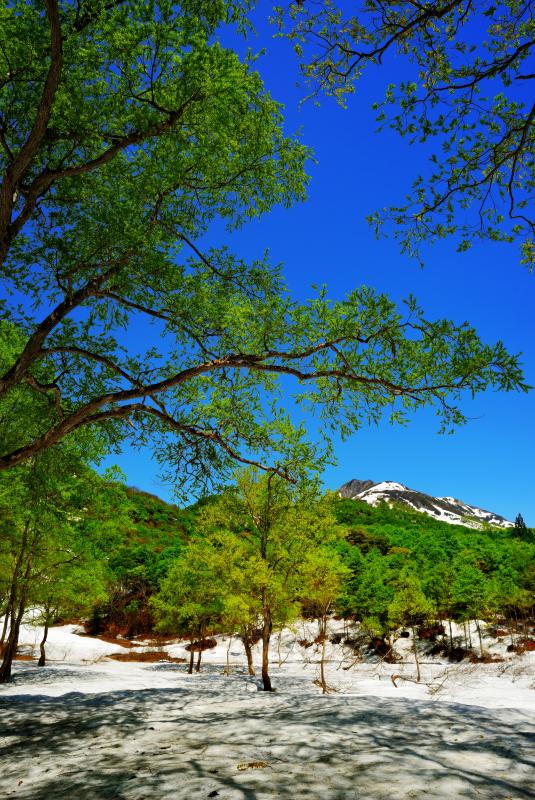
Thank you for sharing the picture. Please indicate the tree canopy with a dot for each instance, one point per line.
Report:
(127, 129)
(465, 82)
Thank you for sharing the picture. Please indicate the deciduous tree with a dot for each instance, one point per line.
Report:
(410, 606)
(126, 130)
(323, 579)
(278, 526)
(48, 556)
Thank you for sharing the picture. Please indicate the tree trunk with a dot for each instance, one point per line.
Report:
(510, 629)
(227, 668)
(13, 637)
(15, 580)
(42, 657)
(415, 651)
(191, 657)
(11, 645)
(478, 628)
(266, 637)
(451, 633)
(323, 635)
(4, 626)
(279, 642)
(248, 654)
(198, 664)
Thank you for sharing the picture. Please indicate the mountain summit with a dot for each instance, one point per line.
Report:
(445, 509)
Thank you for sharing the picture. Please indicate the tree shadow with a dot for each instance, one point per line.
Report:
(197, 740)
(32, 675)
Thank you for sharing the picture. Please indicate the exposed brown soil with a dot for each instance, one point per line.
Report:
(430, 632)
(524, 645)
(111, 640)
(201, 645)
(156, 640)
(150, 656)
(486, 658)
(19, 656)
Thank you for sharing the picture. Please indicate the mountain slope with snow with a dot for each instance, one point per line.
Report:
(445, 509)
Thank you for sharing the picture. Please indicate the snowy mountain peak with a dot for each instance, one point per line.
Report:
(445, 509)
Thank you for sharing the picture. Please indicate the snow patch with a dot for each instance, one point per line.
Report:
(446, 509)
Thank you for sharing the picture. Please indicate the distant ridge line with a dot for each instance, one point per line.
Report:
(446, 509)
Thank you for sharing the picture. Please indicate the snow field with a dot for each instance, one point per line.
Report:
(89, 727)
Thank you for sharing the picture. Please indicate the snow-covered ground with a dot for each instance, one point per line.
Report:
(89, 727)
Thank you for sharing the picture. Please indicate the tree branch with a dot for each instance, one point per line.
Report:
(195, 431)
(23, 160)
(34, 344)
(110, 405)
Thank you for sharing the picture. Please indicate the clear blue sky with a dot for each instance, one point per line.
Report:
(490, 462)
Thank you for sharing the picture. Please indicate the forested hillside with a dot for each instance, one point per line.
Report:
(396, 568)
(408, 567)
(147, 534)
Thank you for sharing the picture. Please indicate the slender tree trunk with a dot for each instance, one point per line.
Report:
(4, 624)
(191, 657)
(478, 628)
(451, 633)
(198, 664)
(6, 616)
(279, 642)
(42, 657)
(248, 653)
(510, 628)
(323, 636)
(11, 645)
(322, 668)
(16, 619)
(415, 651)
(15, 580)
(266, 637)
(227, 668)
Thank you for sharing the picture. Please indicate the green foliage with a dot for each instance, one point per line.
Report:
(409, 605)
(144, 535)
(421, 562)
(118, 151)
(268, 529)
(324, 575)
(264, 548)
(466, 86)
(50, 560)
(190, 601)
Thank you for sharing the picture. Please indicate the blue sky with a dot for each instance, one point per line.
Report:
(326, 240)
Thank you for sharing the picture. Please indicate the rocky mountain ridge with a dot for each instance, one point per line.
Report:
(445, 509)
